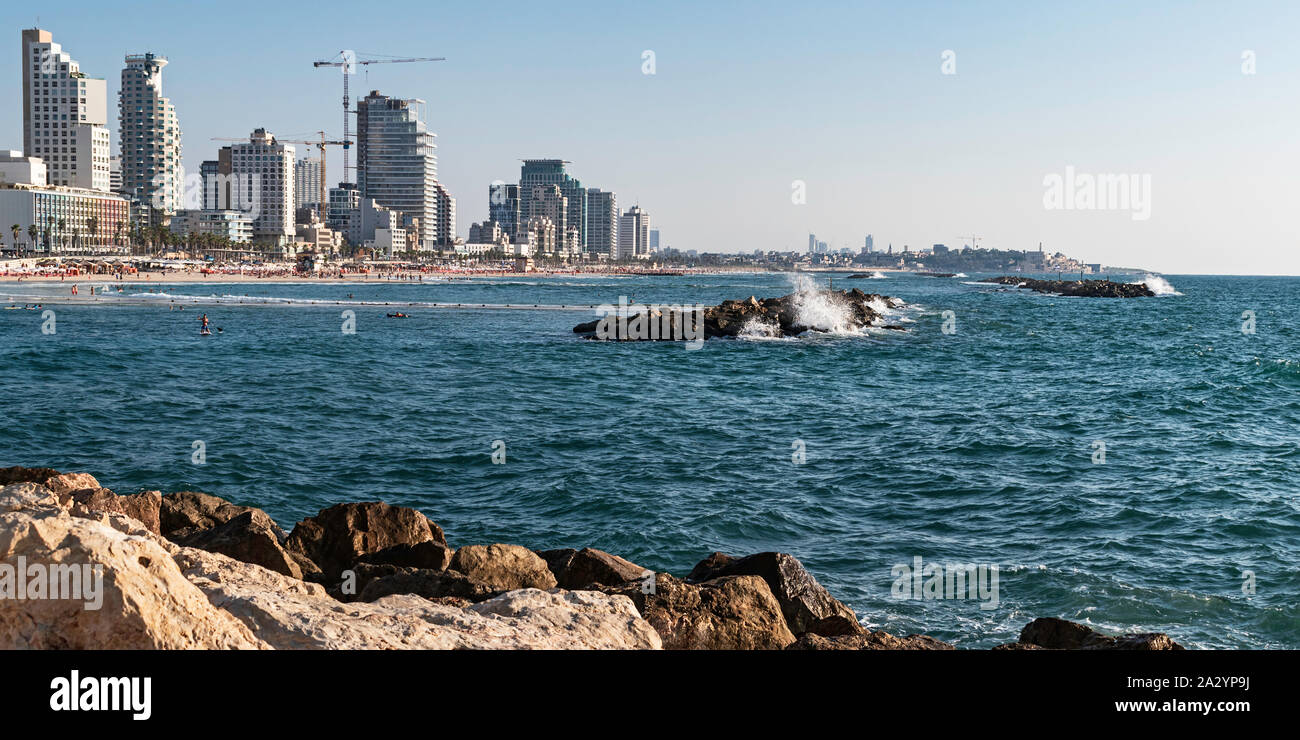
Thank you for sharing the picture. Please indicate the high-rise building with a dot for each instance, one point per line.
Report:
(552, 172)
(65, 115)
(812, 243)
(602, 223)
(344, 202)
(503, 206)
(654, 240)
(547, 201)
(115, 174)
(869, 245)
(446, 217)
(149, 139)
(634, 233)
(307, 182)
(261, 178)
(396, 161)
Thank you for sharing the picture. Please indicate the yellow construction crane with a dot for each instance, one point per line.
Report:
(347, 60)
(319, 145)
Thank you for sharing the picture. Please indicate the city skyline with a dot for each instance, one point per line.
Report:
(731, 125)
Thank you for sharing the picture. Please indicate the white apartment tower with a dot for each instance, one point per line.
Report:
(150, 141)
(634, 234)
(65, 115)
(261, 173)
(397, 163)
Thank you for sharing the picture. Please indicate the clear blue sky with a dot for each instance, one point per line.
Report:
(848, 97)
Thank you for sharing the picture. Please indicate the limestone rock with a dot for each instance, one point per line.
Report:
(730, 613)
(503, 567)
(144, 507)
(69, 482)
(250, 538)
(339, 536)
(19, 474)
(588, 568)
(431, 584)
(807, 606)
(292, 614)
(186, 512)
(138, 597)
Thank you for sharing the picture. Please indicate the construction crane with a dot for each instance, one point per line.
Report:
(346, 60)
(973, 239)
(319, 145)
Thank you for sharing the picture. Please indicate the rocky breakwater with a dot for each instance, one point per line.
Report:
(190, 570)
(1077, 288)
(809, 310)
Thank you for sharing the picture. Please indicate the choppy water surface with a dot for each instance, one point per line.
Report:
(973, 447)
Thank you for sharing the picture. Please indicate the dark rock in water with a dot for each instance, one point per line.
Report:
(1077, 288)
(807, 606)
(868, 641)
(342, 534)
(1060, 634)
(249, 538)
(184, 513)
(936, 274)
(429, 554)
(772, 316)
(588, 568)
(732, 613)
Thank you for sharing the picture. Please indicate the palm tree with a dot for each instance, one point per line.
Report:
(32, 233)
(16, 230)
(92, 226)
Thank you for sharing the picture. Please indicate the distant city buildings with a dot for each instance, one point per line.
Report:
(654, 240)
(149, 142)
(307, 180)
(65, 115)
(258, 179)
(397, 165)
(869, 245)
(62, 218)
(602, 223)
(552, 172)
(634, 234)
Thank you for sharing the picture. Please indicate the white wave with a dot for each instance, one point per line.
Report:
(961, 275)
(1157, 285)
(757, 329)
(877, 275)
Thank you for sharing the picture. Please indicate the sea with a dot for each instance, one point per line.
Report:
(1133, 464)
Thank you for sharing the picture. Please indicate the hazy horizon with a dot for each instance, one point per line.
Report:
(852, 101)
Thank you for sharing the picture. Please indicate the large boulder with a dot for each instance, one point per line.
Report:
(250, 538)
(184, 513)
(868, 641)
(292, 614)
(807, 606)
(144, 507)
(341, 535)
(66, 483)
(124, 591)
(589, 568)
(730, 613)
(503, 567)
(1061, 634)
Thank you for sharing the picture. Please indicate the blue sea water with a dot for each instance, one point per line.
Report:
(979, 446)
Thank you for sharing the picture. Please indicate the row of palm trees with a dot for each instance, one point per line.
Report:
(140, 239)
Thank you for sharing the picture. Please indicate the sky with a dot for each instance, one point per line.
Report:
(917, 122)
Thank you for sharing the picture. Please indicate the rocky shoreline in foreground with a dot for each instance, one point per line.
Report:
(1076, 288)
(191, 570)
